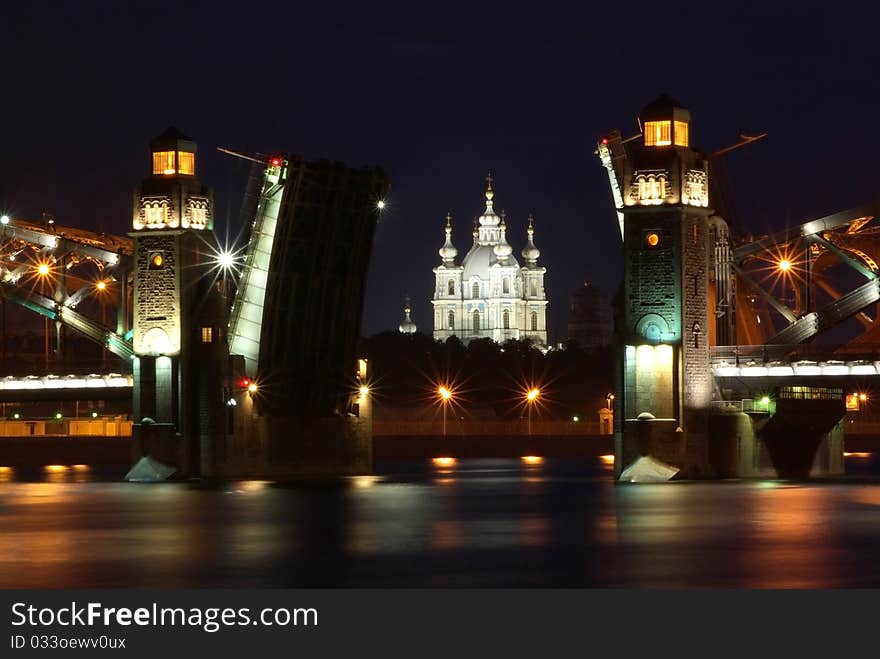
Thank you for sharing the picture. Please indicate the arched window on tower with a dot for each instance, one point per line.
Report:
(476, 320)
(505, 286)
(534, 319)
(450, 319)
(450, 287)
(505, 318)
(533, 288)
(475, 290)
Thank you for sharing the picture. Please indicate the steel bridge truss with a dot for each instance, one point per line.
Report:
(839, 236)
(25, 247)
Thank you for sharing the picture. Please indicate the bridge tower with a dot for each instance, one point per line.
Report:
(179, 314)
(666, 379)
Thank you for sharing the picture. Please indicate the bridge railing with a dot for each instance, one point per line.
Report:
(762, 354)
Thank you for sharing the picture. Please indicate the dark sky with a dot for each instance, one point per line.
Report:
(438, 94)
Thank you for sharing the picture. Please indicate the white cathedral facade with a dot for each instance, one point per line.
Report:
(490, 295)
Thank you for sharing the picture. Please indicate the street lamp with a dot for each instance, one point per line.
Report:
(784, 265)
(446, 395)
(43, 271)
(380, 204)
(609, 400)
(531, 397)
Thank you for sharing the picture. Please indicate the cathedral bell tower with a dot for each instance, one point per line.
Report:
(666, 378)
(179, 319)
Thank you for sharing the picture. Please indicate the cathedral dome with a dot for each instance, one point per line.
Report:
(448, 252)
(407, 326)
(478, 261)
(489, 218)
(531, 253)
(503, 249)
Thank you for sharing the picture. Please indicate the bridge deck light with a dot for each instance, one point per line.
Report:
(380, 204)
(252, 387)
(784, 265)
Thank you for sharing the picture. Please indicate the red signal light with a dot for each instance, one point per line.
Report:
(244, 383)
(604, 140)
(275, 162)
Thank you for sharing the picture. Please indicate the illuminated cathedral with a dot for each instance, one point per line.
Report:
(490, 295)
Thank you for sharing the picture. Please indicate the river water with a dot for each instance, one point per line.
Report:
(479, 523)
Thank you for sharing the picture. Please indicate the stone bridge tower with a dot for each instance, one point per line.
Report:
(179, 314)
(666, 380)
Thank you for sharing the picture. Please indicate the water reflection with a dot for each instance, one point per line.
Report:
(469, 523)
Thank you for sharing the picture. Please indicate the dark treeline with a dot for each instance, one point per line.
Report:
(406, 370)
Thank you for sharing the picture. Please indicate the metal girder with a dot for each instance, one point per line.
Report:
(87, 327)
(855, 264)
(826, 223)
(63, 244)
(808, 326)
(787, 313)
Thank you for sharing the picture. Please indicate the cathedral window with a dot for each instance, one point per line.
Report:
(534, 321)
(658, 133)
(475, 290)
(505, 286)
(476, 321)
(505, 318)
(450, 287)
(450, 319)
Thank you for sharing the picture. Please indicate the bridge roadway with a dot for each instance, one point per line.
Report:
(94, 386)
(776, 361)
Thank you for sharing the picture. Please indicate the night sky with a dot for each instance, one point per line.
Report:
(438, 95)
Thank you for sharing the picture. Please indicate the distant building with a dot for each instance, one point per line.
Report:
(490, 295)
(407, 326)
(589, 321)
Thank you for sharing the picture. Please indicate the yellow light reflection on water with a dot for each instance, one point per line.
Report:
(444, 461)
(56, 469)
(532, 459)
(607, 459)
(858, 454)
(364, 482)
